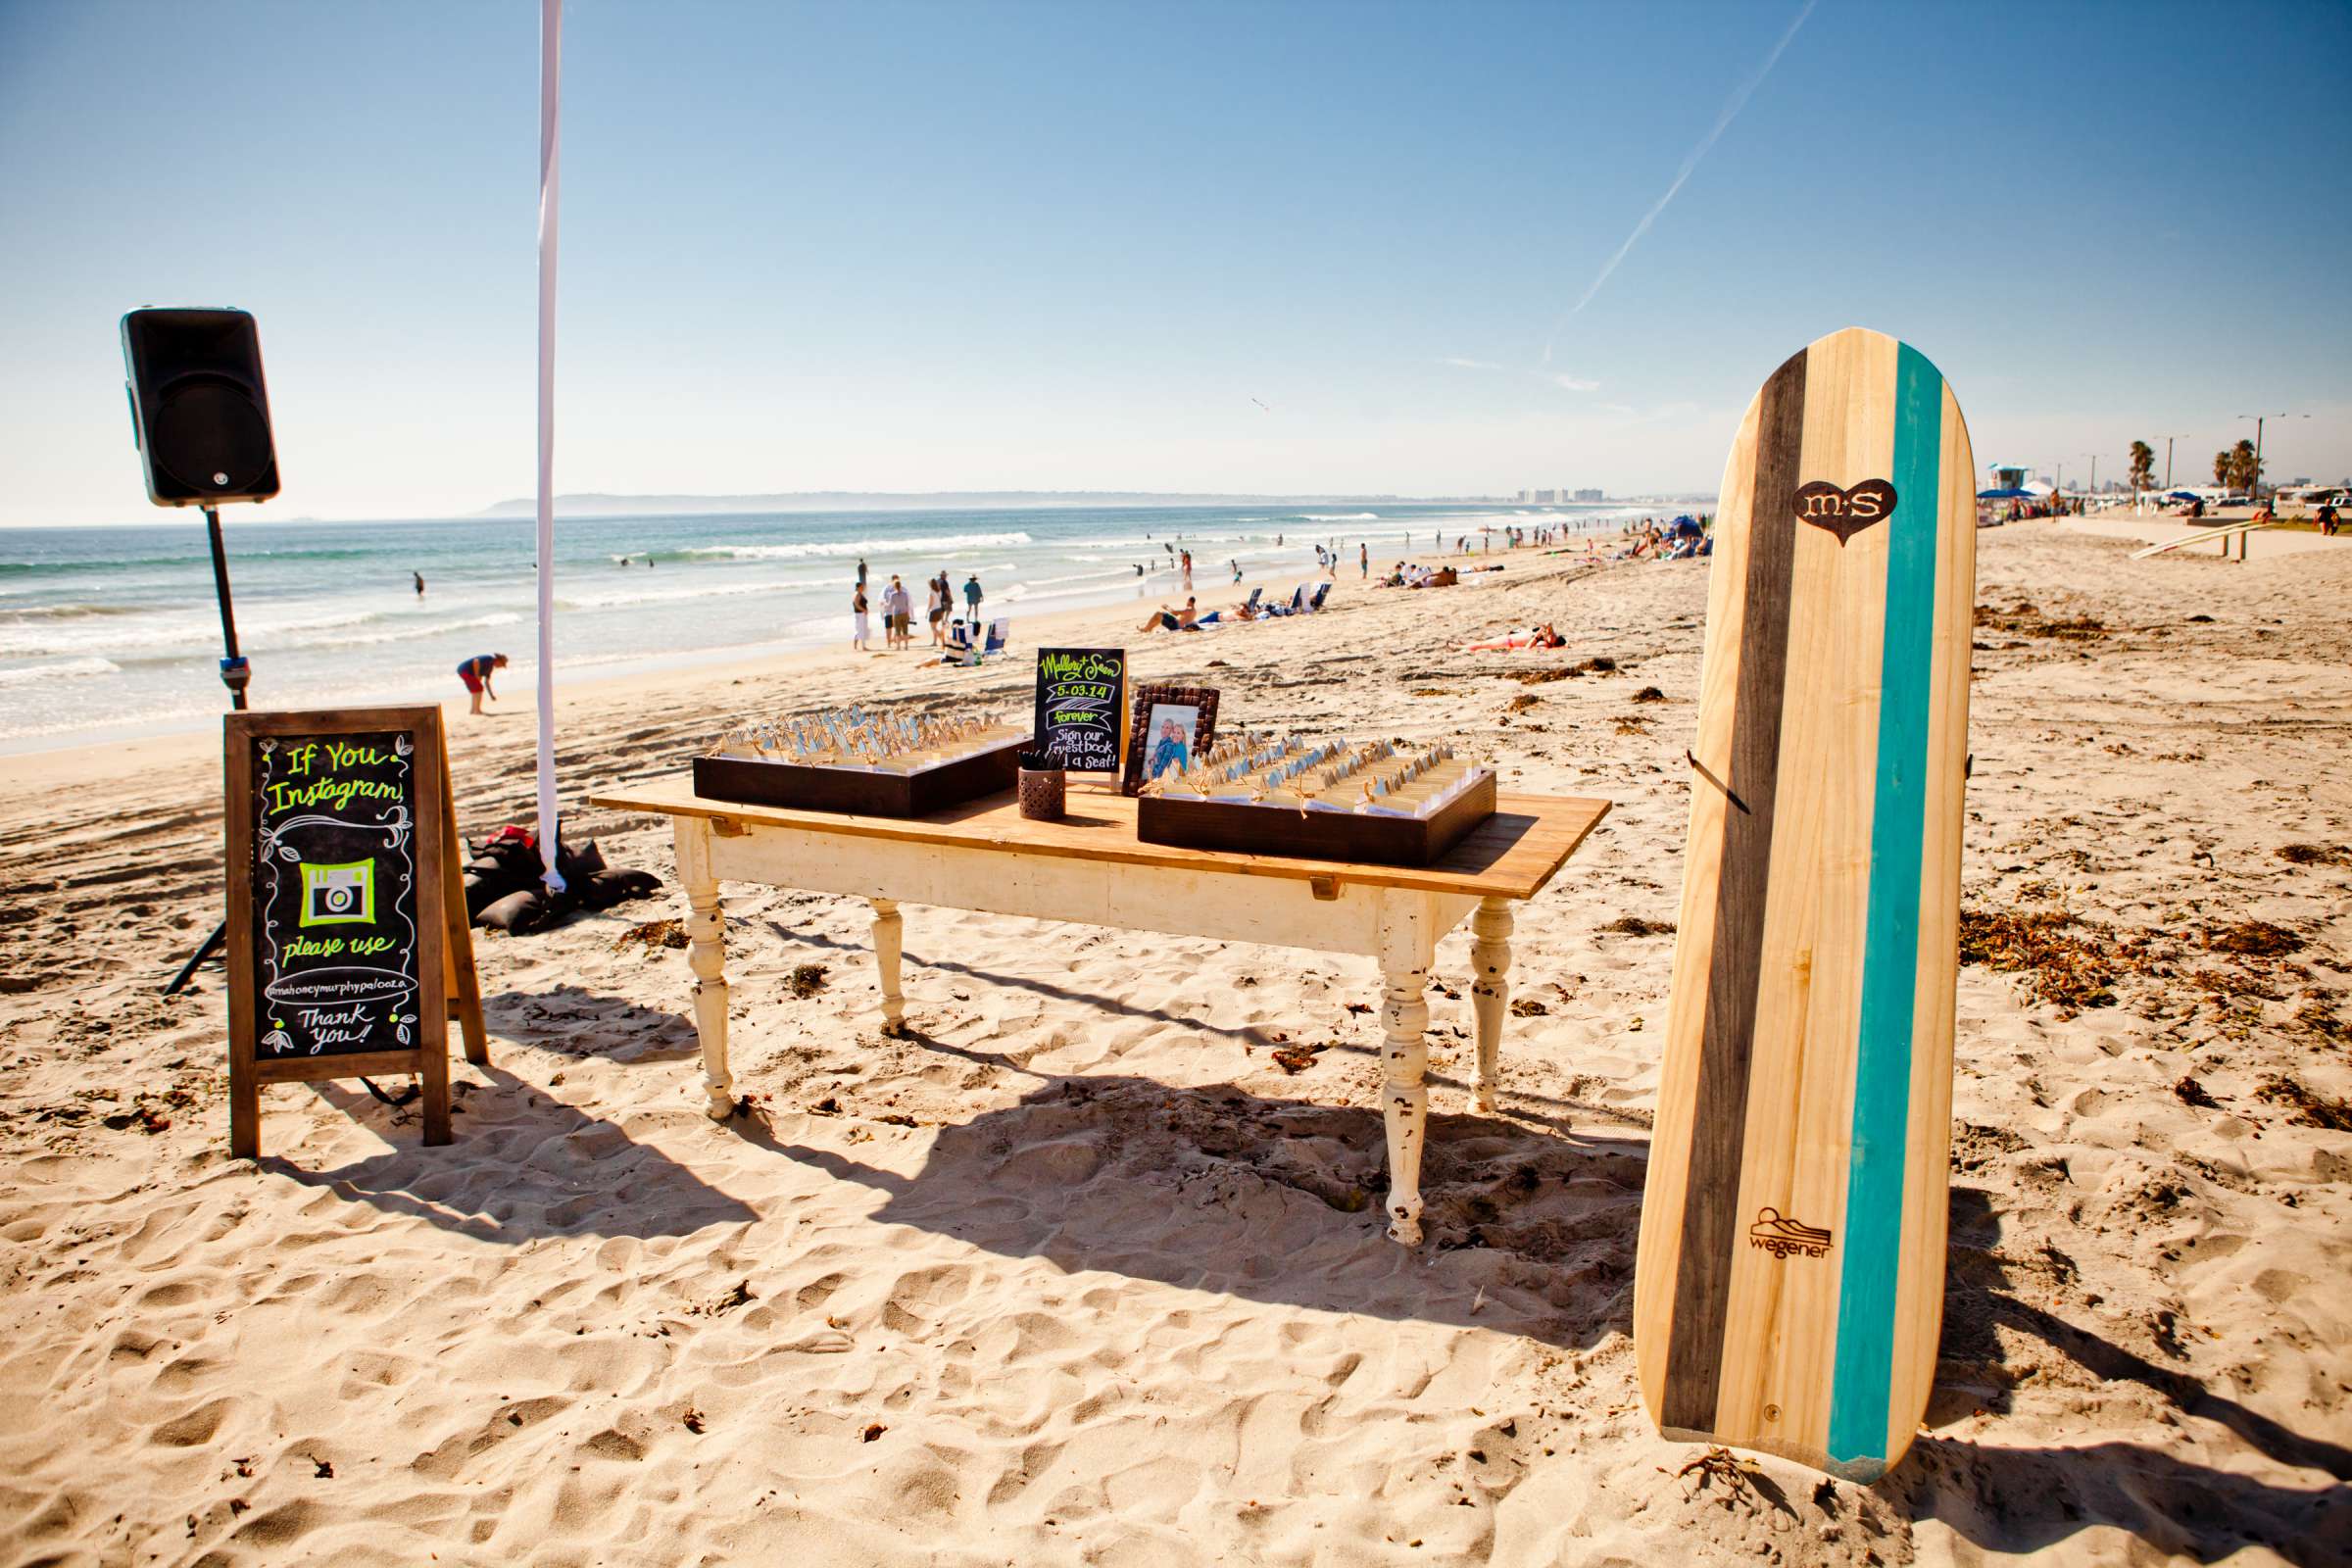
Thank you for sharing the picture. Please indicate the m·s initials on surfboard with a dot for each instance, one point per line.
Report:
(1844, 513)
(1788, 1290)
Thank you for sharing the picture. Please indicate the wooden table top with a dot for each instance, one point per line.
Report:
(1511, 855)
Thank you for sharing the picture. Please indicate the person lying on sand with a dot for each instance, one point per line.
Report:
(1166, 620)
(1536, 637)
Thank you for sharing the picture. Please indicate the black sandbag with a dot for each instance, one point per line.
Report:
(517, 912)
(607, 887)
(481, 892)
(578, 865)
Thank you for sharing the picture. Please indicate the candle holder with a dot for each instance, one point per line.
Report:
(1044, 788)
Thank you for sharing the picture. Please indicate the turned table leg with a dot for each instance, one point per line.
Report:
(707, 954)
(889, 928)
(1491, 956)
(1405, 961)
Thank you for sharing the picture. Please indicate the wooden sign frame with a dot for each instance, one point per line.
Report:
(1038, 735)
(448, 986)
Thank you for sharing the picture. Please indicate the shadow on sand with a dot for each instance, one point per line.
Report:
(521, 1166)
(1532, 1221)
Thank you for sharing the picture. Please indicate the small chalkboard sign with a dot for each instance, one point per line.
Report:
(349, 950)
(1082, 706)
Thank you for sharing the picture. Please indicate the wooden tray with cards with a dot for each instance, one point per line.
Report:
(861, 764)
(1372, 805)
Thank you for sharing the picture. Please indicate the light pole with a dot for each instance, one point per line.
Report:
(2168, 455)
(2254, 486)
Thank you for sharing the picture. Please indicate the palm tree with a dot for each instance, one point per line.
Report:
(2143, 466)
(2221, 469)
(2244, 472)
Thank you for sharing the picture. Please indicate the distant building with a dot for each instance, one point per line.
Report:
(1590, 495)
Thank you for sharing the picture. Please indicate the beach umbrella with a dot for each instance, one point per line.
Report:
(2004, 495)
(551, 73)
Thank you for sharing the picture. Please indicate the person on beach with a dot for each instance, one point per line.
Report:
(1363, 560)
(898, 612)
(860, 571)
(1166, 620)
(475, 672)
(938, 610)
(857, 633)
(971, 601)
(419, 576)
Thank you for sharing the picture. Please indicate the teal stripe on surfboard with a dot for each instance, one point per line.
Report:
(1874, 1191)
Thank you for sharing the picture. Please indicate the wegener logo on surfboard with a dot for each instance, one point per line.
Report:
(1844, 513)
(1787, 1237)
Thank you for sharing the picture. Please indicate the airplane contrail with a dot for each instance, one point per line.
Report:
(1730, 110)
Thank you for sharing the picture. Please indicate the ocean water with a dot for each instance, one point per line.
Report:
(109, 632)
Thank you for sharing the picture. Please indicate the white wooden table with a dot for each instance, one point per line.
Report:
(1090, 868)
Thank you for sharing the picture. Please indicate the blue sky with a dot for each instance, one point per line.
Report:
(913, 247)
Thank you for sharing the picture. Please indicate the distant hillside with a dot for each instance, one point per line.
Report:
(605, 506)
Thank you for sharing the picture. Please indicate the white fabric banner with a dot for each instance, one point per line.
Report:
(551, 92)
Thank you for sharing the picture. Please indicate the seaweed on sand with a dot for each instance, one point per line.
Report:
(2067, 960)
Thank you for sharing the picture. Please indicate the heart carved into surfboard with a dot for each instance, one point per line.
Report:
(1844, 513)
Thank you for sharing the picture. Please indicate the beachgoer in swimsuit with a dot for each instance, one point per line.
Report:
(475, 672)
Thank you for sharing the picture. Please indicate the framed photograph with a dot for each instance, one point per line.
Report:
(1172, 724)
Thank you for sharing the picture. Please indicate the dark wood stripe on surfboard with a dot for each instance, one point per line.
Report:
(1718, 1121)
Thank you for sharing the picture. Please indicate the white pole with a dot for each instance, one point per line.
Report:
(550, 75)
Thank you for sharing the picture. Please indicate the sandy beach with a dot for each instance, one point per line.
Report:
(1080, 1273)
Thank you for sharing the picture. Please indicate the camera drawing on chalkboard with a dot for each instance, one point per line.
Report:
(338, 895)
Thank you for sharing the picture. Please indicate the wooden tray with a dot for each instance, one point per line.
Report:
(1315, 835)
(855, 791)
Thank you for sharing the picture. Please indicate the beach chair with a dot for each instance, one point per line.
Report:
(1316, 602)
(1255, 594)
(959, 636)
(1297, 604)
(1000, 633)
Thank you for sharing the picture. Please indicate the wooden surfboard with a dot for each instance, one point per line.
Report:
(1789, 1288)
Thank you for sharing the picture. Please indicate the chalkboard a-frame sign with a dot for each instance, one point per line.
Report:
(1082, 708)
(348, 944)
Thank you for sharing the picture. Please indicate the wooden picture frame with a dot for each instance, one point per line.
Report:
(440, 968)
(1148, 699)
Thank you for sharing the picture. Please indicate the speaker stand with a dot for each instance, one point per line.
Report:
(235, 675)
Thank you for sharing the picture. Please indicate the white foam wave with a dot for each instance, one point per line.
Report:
(71, 668)
(69, 611)
(620, 598)
(1341, 517)
(858, 547)
(503, 618)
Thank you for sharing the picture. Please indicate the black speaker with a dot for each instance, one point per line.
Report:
(198, 409)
